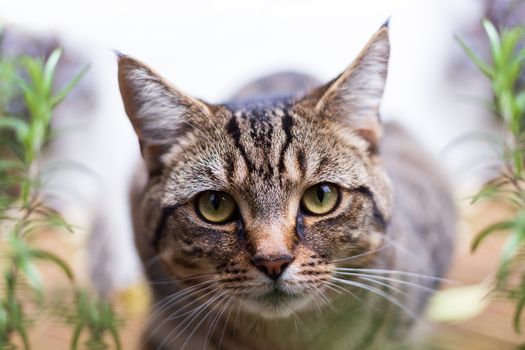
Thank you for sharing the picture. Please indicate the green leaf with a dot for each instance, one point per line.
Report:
(10, 164)
(509, 250)
(511, 245)
(17, 125)
(55, 219)
(116, 338)
(34, 68)
(518, 162)
(44, 255)
(509, 42)
(31, 273)
(487, 192)
(483, 66)
(505, 99)
(520, 102)
(3, 318)
(518, 312)
(67, 89)
(76, 337)
(494, 39)
(25, 339)
(499, 226)
(49, 70)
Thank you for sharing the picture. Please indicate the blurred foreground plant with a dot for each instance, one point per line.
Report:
(26, 87)
(506, 64)
(95, 317)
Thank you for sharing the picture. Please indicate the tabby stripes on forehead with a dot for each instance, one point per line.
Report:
(263, 132)
(235, 133)
(287, 124)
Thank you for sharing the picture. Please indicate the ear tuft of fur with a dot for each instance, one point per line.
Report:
(159, 113)
(386, 24)
(354, 97)
(118, 54)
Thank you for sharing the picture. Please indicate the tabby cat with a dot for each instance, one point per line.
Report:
(284, 221)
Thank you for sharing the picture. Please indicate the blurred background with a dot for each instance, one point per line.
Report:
(209, 48)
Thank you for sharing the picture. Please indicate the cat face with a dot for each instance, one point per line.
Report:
(260, 201)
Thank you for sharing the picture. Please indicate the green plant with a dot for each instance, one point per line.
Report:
(28, 82)
(22, 209)
(504, 69)
(95, 317)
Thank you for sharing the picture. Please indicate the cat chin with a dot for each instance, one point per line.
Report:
(276, 309)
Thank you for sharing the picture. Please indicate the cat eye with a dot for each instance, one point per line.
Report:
(216, 207)
(320, 199)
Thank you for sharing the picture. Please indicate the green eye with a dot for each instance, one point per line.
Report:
(320, 199)
(216, 207)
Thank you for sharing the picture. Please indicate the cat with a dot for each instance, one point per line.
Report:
(290, 220)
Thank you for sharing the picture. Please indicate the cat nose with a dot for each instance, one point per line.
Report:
(273, 267)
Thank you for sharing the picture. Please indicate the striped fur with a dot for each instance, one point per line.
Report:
(265, 152)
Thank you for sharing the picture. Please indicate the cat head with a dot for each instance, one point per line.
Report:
(263, 200)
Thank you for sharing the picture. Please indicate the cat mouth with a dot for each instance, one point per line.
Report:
(276, 302)
(277, 295)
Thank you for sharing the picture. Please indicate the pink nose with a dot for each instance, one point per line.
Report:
(272, 267)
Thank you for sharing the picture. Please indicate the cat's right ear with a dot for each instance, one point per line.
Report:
(159, 113)
(352, 100)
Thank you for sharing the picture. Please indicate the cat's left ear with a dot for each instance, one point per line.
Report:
(354, 97)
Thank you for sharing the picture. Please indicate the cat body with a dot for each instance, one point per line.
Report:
(284, 222)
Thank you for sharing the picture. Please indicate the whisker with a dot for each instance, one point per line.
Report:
(324, 297)
(224, 326)
(362, 254)
(300, 321)
(211, 327)
(194, 311)
(237, 312)
(395, 272)
(378, 292)
(334, 286)
(257, 324)
(169, 280)
(151, 261)
(216, 320)
(185, 293)
(407, 283)
(192, 316)
(395, 289)
(172, 299)
(327, 285)
(176, 314)
(222, 297)
(317, 304)
(402, 250)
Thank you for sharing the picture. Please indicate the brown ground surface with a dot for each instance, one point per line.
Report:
(490, 329)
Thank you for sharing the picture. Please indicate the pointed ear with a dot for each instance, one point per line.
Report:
(159, 113)
(354, 97)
